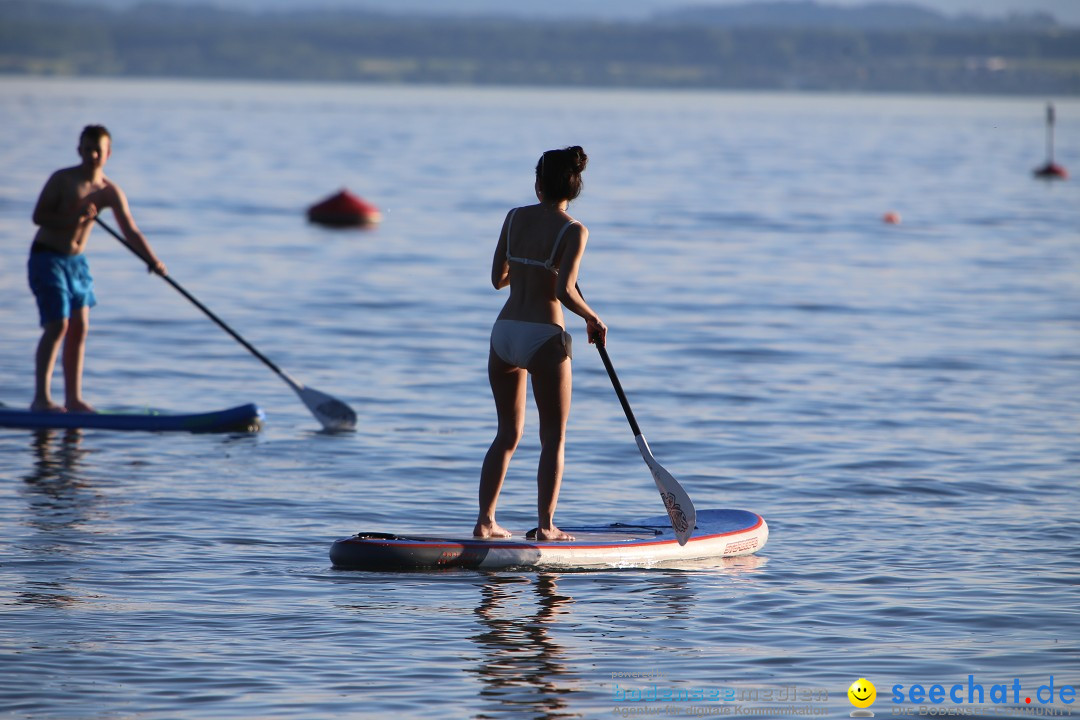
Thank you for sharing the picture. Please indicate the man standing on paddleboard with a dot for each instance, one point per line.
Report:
(58, 272)
(538, 255)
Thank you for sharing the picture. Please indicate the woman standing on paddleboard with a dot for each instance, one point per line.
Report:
(538, 255)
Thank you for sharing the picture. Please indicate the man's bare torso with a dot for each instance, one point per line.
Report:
(69, 190)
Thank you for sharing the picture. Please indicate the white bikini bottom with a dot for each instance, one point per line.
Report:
(516, 341)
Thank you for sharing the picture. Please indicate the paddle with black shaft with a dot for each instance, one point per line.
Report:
(328, 410)
(680, 508)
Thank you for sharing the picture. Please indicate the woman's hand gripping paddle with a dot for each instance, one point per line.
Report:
(328, 410)
(680, 508)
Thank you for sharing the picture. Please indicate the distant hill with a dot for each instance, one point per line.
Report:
(807, 14)
(577, 9)
(1067, 12)
(898, 48)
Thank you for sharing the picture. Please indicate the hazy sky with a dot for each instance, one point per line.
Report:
(1066, 11)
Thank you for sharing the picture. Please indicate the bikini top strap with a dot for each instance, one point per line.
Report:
(550, 264)
(509, 224)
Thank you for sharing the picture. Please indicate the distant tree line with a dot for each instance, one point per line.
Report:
(44, 37)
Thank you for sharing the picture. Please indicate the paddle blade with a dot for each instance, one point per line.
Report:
(680, 508)
(328, 410)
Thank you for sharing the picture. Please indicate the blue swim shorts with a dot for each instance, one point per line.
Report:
(61, 283)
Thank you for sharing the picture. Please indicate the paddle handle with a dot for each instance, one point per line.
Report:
(618, 389)
(209, 313)
(614, 378)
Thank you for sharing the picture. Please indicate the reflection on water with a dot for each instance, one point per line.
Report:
(531, 642)
(45, 594)
(523, 667)
(58, 494)
(60, 500)
(732, 566)
(526, 671)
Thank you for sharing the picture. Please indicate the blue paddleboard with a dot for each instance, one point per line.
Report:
(243, 418)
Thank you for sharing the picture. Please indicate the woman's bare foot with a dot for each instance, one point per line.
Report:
(491, 529)
(47, 406)
(80, 406)
(552, 534)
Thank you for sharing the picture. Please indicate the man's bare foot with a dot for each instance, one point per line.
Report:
(552, 534)
(47, 406)
(79, 406)
(486, 530)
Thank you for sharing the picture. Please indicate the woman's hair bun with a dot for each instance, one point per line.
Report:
(578, 158)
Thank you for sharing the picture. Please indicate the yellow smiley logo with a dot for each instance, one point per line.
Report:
(862, 693)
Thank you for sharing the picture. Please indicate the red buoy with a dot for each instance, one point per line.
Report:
(1051, 170)
(891, 218)
(344, 209)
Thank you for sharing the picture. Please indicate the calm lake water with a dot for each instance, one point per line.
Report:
(900, 402)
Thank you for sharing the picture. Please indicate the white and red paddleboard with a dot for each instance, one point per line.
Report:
(642, 543)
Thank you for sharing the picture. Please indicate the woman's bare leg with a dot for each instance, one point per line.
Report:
(508, 389)
(552, 383)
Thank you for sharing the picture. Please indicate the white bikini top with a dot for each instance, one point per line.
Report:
(548, 264)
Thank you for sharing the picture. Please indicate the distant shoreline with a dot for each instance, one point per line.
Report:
(41, 38)
(146, 86)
